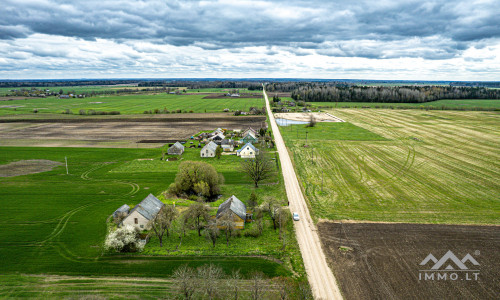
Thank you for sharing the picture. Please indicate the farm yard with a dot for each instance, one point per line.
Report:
(114, 131)
(130, 104)
(61, 223)
(401, 166)
(382, 261)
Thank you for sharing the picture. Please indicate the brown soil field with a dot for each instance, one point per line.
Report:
(382, 261)
(24, 167)
(115, 132)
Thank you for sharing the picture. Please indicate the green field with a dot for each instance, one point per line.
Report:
(129, 104)
(53, 223)
(457, 104)
(71, 89)
(220, 90)
(424, 167)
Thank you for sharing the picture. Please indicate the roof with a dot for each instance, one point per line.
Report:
(178, 145)
(250, 134)
(149, 207)
(227, 142)
(249, 145)
(124, 208)
(235, 205)
(210, 146)
(219, 136)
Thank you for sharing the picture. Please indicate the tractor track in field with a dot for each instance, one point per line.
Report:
(54, 237)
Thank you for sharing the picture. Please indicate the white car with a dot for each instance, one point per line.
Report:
(295, 216)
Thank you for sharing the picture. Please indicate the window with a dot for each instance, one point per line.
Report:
(251, 153)
(142, 226)
(136, 221)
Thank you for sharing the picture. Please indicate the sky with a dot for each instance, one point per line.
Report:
(354, 39)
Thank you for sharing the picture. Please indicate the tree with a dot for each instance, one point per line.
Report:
(210, 275)
(196, 178)
(226, 222)
(233, 284)
(162, 222)
(283, 216)
(212, 232)
(258, 216)
(218, 152)
(119, 217)
(184, 276)
(257, 286)
(258, 168)
(312, 121)
(198, 212)
(272, 209)
(124, 239)
(252, 202)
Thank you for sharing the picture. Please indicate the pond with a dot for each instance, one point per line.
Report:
(286, 122)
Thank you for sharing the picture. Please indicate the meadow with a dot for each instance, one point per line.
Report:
(130, 104)
(454, 104)
(53, 223)
(415, 166)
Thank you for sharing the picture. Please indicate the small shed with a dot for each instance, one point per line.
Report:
(176, 149)
(236, 208)
(123, 209)
(209, 150)
(247, 151)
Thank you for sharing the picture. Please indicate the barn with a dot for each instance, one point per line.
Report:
(209, 150)
(236, 208)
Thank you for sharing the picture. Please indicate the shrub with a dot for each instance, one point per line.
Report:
(196, 178)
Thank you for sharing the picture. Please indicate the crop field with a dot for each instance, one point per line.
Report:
(457, 104)
(219, 90)
(113, 131)
(130, 104)
(413, 166)
(53, 223)
(74, 89)
(382, 261)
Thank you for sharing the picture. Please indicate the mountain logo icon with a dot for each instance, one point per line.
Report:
(449, 259)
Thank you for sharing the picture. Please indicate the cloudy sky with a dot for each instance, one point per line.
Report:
(383, 39)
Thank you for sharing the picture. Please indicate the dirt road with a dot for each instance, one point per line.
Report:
(321, 279)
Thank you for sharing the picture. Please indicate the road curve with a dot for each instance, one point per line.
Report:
(321, 279)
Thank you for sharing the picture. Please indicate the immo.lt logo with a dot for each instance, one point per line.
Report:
(449, 267)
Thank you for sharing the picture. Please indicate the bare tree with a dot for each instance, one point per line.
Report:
(258, 285)
(212, 232)
(198, 212)
(284, 287)
(226, 222)
(233, 285)
(119, 217)
(272, 208)
(184, 276)
(162, 222)
(258, 168)
(282, 218)
(304, 291)
(258, 216)
(210, 276)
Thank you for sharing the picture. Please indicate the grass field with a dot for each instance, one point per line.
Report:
(424, 167)
(73, 89)
(129, 104)
(53, 223)
(465, 104)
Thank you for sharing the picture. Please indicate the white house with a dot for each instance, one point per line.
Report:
(247, 151)
(208, 150)
(144, 212)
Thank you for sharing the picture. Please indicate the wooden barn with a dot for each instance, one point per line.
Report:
(236, 208)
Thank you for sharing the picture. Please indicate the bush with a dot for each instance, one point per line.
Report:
(124, 239)
(254, 232)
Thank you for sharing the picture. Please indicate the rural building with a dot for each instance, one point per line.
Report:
(249, 138)
(123, 209)
(209, 150)
(247, 151)
(250, 129)
(218, 138)
(144, 212)
(176, 149)
(63, 96)
(227, 145)
(236, 208)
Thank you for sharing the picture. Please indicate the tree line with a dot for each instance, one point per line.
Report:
(250, 85)
(395, 94)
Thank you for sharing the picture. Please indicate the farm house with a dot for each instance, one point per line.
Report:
(209, 150)
(249, 138)
(236, 208)
(227, 145)
(248, 151)
(144, 212)
(176, 149)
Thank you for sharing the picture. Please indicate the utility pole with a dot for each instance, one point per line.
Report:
(306, 136)
(66, 160)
